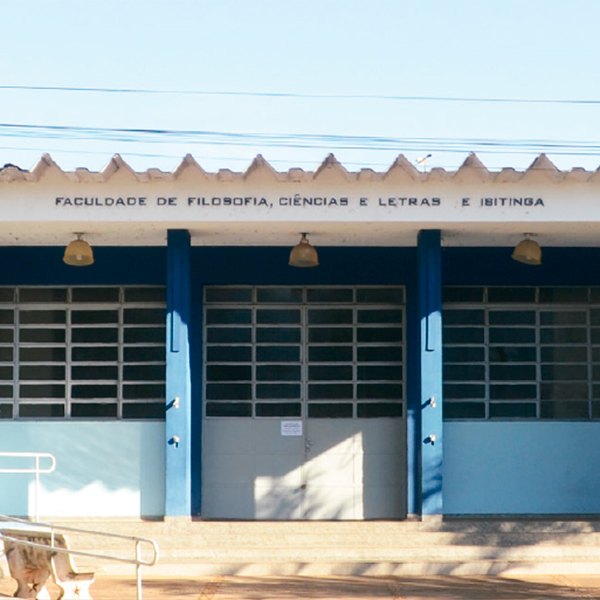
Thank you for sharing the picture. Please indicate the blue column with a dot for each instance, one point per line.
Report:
(179, 414)
(430, 307)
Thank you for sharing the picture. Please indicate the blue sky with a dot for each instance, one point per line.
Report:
(338, 62)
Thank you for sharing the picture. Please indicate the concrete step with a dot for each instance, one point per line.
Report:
(461, 546)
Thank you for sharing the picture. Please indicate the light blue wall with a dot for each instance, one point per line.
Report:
(521, 468)
(104, 468)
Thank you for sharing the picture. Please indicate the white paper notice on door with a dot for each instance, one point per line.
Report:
(291, 428)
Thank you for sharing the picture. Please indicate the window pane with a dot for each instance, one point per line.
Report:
(329, 373)
(373, 410)
(228, 409)
(138, 335)
(564, 295)
(379, 334)
(229, 335)
(42, 354)
(93, 410)
(278, 409)
(463, 335)
(274, 316)
(376, 391)
(564, 410)
(43, 295)
(326, 295)
(512, 410)
(279, 335)
(389, 373)
(279, 295)
(94, 317)
(380, 316)
(278, 391)
(379, 353)
(464, 354)
(463, 317)
(222, 353)
(95, 372)
(146, 294)
(278, 353)
(98, 295)
(464, 372)
(106, 335)
(512, 317)
(508, 354)
(330, 334)
(511, 294)
(462, 294)
(513, 372)
(523, 335)
(42, 411)
(386, 295)
(28, 317)
(228, 391)
(228, 316)
(323, 391)
(330, 411)
(228, 372)
(228, 294)
(330, 316)
(41, 335)
(464, 410)
(278, 373)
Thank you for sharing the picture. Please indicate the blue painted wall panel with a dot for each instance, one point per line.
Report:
(103, 468)
(521, 468)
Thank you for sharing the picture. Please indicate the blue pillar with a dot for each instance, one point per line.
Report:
(179, 414)
(430, 307)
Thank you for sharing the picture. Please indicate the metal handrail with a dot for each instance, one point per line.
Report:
(51, 529)
(37, 470)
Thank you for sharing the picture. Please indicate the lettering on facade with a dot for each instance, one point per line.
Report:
(300, 202)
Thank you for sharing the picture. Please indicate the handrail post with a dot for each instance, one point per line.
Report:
(138, 571)
(36, 471)
(36, 514)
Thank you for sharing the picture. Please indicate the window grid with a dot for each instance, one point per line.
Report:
(534, 358)
(82, 352)
(299, 355)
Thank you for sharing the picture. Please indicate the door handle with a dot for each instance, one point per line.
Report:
(308, 445)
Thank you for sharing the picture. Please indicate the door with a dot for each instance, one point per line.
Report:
(304, 403)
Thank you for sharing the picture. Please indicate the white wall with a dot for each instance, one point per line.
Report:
(104, 468)
(521, 468)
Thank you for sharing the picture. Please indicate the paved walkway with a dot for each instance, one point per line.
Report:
(557, 587)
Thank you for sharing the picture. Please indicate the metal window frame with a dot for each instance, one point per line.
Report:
(304, 306)
(69, 306)
(538, 307)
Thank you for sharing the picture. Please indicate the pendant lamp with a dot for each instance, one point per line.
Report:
(78, 253)
(303, 254)
(528, 251)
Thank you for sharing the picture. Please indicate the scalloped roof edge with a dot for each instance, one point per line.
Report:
(541, 168)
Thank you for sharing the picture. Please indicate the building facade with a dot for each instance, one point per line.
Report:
(191, 371)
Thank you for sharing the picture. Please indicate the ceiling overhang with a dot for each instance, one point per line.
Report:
(471, 206)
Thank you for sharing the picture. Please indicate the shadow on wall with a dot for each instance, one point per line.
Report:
(103, 468)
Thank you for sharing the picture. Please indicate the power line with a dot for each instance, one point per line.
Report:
(392, 97)
(330, 142)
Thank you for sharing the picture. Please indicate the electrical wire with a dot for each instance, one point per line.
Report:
(398, 98)
(300, 141)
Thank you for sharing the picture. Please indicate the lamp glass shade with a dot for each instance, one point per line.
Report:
(528, 252)
(78, 254)
(303, 255)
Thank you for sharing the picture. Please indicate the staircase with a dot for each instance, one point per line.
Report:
(451, 547)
